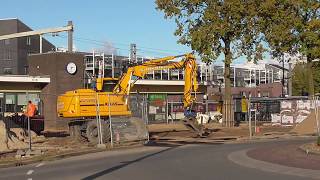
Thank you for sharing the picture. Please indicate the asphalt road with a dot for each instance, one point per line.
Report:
(192, 161)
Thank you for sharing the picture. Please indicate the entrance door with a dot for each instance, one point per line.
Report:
(2, 106)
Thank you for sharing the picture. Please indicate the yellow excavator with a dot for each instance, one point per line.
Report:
(81, 106)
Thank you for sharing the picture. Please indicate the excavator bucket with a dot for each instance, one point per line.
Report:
(192, 124)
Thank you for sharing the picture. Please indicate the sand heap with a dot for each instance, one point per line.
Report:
(307, 126)
(9, 140)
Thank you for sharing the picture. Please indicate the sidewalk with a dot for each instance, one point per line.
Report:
(288, 155)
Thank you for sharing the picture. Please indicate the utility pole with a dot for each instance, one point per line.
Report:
(283, 76)
(70, 37)
(133, 52)
(290, 79)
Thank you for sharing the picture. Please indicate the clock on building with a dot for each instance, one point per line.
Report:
(71, 68)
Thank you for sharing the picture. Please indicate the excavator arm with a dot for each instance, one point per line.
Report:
(188, 63)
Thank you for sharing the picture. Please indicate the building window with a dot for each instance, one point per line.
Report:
(6, 41)
(10, 103)
(29, 40)
(7, 70)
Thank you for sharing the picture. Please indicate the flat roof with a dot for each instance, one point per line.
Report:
(25, 78)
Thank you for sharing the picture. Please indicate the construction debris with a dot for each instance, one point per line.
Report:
(3, 137)
(14, 138)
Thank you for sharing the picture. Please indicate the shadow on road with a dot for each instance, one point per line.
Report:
(124, 164)
(169, 145)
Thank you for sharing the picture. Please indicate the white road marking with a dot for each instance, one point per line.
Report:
(41, 164)
(29, 179)
(30, 172)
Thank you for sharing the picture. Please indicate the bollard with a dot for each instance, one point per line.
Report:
(117, 136)
(257, 129)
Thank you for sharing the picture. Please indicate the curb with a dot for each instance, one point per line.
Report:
(45, 157)
(241, 158)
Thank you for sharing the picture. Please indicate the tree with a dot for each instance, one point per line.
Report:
(292, 27)
(308, 34)
(215, 27)
(300, 78)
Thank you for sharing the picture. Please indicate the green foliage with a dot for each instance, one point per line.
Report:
(300, 78)
(216, 27)
(240, 27)
(291, 26)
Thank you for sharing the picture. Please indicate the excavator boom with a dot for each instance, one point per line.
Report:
(188, 63)
(80, 105)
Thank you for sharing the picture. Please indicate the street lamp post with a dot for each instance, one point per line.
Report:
(283, 95)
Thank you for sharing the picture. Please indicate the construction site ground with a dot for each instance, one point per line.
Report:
(60, 147)
(178, 131)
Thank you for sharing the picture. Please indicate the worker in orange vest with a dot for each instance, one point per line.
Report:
(31, 109)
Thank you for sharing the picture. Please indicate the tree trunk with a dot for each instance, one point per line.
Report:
(227, 113)
(310, 77)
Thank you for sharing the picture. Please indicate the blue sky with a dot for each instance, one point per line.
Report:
(116, 22)
(120, 22)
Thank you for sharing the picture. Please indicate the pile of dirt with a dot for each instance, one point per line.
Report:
(11, 140)
(307, 126)
(3, 137)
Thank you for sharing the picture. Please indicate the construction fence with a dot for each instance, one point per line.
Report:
(281, 111)
(157, 108)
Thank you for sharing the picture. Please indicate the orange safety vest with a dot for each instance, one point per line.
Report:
(31, 109)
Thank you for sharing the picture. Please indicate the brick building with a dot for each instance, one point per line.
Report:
(14, 52)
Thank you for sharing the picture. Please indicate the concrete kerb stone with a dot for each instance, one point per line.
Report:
(241, 158)
(42, 157)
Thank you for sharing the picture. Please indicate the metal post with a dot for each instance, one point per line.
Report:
(249, 113)
(207, 108)
(40, 46)
(250, 78)
(316, 109)
(283, 76)
(112, 65)
(103, 65)
(172, 112)
(98, 119)
(167, 109)
(234, 76)
(272, 75)
(290, 79)
(265, 75)
(70, 38)
(146, 113)
(29, 130)
(93, 63)
(255, 120)
(110, 121)
(201, 74)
